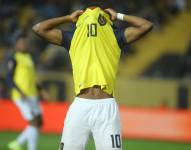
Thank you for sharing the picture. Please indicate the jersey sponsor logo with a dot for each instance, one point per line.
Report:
(101, 19)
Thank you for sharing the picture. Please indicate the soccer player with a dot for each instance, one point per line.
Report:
(21, 78)
(94, 47)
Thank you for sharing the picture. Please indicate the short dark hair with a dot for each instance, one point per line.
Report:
(20, 35)
(89, 3)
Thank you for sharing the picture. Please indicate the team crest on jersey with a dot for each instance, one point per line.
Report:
(102, 20)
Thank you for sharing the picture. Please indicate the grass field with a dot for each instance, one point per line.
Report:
(51, 142)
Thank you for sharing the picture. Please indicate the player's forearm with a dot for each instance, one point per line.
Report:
(50, 24)
(138, 22)
(48, 29)
(138, 28)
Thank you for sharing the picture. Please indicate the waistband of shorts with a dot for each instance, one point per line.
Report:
(94, 101)
(28, 98)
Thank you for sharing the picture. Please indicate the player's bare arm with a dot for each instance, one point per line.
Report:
(139, 26)
(48, 29)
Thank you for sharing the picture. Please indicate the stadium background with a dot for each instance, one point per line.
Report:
(153, 87)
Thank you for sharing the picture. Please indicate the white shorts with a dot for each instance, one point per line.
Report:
(99, 118)
(29, 108)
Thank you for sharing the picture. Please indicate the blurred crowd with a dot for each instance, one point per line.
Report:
(20, 14)
(16, 15)
(171, 65)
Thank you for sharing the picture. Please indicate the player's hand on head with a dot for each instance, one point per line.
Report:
(112, 13)
(74, 16)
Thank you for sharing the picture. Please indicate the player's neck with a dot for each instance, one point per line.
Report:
(92, 7)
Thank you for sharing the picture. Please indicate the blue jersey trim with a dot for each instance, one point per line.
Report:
(68, 35)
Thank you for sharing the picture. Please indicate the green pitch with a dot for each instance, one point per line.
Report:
(51, 142)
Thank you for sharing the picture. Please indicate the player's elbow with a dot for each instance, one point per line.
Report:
(38, 29)
(146, 27)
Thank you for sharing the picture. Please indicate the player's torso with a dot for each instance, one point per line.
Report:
(94, 52)
(24, 75)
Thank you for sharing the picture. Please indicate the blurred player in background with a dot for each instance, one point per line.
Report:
(94, 48)
(22, 80)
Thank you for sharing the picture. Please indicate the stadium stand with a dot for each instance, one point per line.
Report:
(171, 18)
(173, 38)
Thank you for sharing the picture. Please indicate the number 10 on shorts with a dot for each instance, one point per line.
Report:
(116, 141)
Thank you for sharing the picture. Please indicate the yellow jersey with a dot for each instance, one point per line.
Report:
(94, 52)
(23, 76)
